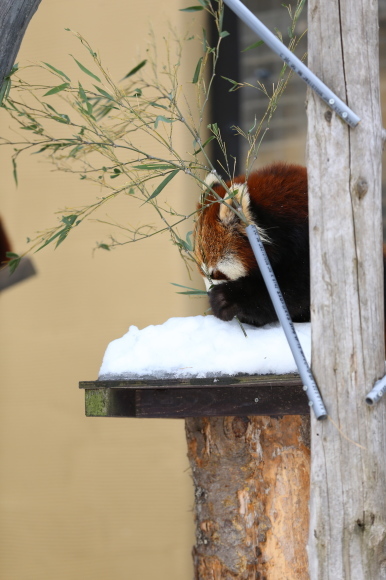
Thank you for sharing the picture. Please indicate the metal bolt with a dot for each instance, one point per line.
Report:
(331, 101)
(344, 115)
(305, 387)
(256, 400)
(310, 403)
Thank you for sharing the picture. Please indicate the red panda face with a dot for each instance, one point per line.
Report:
(221, 247)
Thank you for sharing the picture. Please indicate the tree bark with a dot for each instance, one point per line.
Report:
(15, 16)
(348, 474)
(251, 478)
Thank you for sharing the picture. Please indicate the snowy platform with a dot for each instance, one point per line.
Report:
(199, 366)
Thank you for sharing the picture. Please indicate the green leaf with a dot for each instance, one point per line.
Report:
(162, 185)
(14, 261)
(57, 89)
(154, 166)
(105, 94)
(117, 173)
(224, 34)
(197, 71)
(85, 70)
(14, 170)
(254, 45)
(59, 72)
(204, 145)
(13, 70)
(84, 98)
(75, 150)
(192, 8)
(69, 220)
(163, 119)
(104, 247)
(62, 119)
(189, 242)
(135, 69)
(234, 86)
(157, 105)
(190, 291)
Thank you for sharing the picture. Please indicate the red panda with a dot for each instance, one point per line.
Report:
(275, 200)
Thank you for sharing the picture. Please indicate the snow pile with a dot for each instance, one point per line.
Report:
(201, 346)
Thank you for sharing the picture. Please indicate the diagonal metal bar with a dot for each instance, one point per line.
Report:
(294, 63)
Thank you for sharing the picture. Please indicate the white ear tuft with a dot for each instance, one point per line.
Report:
(226, 214)
(211, 179)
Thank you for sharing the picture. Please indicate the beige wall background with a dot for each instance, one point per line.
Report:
(83, 498)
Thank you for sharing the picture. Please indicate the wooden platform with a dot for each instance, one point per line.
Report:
(179, 398)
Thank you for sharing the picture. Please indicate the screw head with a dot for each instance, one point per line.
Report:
(256, 400)
(331, 101)
(344, 115)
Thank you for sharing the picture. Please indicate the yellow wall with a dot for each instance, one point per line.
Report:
(84, 498)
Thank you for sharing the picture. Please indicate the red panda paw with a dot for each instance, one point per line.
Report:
(221, 303)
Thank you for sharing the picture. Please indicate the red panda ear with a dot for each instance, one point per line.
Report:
(239, 193)
(211, 179)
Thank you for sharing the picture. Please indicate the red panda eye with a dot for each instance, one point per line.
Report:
(217, 275)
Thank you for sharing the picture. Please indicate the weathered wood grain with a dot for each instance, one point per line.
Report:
(15, 16)
(180, 398)
(251, 478)
(347, 537)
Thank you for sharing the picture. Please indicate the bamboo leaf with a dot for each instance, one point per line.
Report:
(254, 45)
(14, 261)
(204, 144)
(190, 291)
(197, 71)
(135, 69)
(59, 72)
(104, 93)
(14, 170)
(163, 119)
(85, 70)
(85, 99)
(154, 166)
(57, 89)
(162, 185)
(192, 8)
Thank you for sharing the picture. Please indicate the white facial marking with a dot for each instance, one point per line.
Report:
(231, 267)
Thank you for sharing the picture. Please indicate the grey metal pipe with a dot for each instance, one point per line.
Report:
(376, 392)
(293, 62)
(310, 386)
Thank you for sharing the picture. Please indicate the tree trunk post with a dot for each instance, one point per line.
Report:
(348, 466)
(251, 479)
(15, 16)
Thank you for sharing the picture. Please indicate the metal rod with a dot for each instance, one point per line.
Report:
(310, 386)
(293, 62)
(376, 392)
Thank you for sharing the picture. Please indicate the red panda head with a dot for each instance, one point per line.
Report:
(221, 248)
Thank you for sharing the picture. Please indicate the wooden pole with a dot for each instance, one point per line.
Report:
(251, 479)
(347, 537)
(15, 16)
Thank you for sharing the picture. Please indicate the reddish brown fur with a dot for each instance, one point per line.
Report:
(279, 188)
